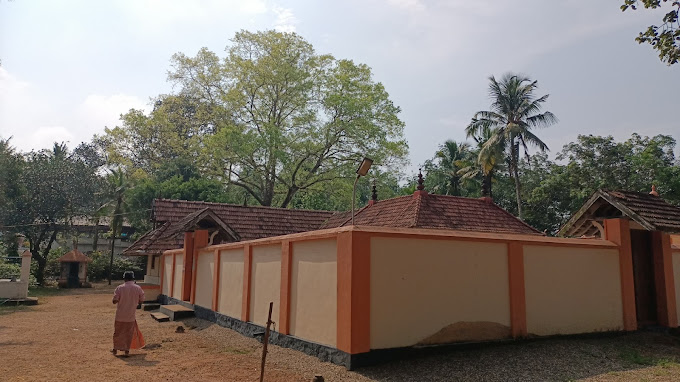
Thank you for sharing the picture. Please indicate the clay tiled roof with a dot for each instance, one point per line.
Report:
(74, 256)
(204, 218)
(423, 210)
(650, 211)
(248, 223)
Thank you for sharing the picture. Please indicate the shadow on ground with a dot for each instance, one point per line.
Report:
(556, 359)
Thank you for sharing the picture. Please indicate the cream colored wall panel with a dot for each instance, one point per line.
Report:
(179, 269)
(231, 283)
(437, 291)
(265, 282)
(572, 290)
(676, 277)
(313, 291)
(205, 272)
(167, 275)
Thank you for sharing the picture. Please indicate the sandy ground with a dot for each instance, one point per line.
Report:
(68, 336)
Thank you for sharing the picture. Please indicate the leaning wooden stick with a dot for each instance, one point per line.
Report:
(265, 341)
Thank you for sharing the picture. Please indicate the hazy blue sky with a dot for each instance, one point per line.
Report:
(69, 68)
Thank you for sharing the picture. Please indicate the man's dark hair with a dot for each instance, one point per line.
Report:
(128, 275)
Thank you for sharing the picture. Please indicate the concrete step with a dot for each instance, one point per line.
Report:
(151, 306)
(176, 312)
(160, 317)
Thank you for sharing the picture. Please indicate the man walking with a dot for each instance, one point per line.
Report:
(126, 333)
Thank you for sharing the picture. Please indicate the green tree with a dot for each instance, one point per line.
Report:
(287, 118)
(54, 187)
(118, 185)
(664, 38)
(482, 170)
(515, 111)
(443, 171)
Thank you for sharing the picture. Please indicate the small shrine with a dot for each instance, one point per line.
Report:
(74, 270)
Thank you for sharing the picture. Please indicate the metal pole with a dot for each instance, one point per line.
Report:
(354, 192)
(265, 341)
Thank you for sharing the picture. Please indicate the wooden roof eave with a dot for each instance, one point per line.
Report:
(577, 216)
(628, 212)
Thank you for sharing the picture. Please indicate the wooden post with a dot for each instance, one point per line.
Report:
(265, 341)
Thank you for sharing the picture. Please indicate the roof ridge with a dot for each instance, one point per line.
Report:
(241, 206)
(416, 213)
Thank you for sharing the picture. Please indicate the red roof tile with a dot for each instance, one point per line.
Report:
(420, 210)
(248, 222)
(438, 212)
(74, 256)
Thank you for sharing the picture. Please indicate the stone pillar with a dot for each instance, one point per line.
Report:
(25, 266)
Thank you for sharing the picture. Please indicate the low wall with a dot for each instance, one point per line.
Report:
(363, 290)
(426, 292)
(676, 275)
(13, 289)
(572, 290)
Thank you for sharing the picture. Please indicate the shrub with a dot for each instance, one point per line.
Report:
(9, 270)
(98, 269)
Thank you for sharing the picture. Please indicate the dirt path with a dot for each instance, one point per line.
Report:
(68, 336)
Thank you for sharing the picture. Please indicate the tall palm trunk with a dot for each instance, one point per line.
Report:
(514, 173)
(487, 178)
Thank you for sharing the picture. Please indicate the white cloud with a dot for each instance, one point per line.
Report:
(285, 19)
(98, 111)
(407, 5)
(45, 136)
(253, 7)
(35, 119)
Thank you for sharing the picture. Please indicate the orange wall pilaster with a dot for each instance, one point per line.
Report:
(665, 283)
(284, 301)
(518, 304)
(247, 271)
(216, 280)
(354, 292)
(618, 232)
(200, 241)
(188, 262)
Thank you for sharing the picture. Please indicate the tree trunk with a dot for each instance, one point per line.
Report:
(113, 243)
(289, 196)
(40, 272)
(514, 172)
(518, 193)
(486, 185)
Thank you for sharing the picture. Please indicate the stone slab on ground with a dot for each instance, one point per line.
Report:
(19, 301)
(151, 306)
(160, 317)
(176, 312)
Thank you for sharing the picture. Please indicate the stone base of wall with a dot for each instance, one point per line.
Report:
(354, 361)
(324, 353)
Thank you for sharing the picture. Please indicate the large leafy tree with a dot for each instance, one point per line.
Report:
(53, 186)
(515, 112)
(285, 118)
(665, 37)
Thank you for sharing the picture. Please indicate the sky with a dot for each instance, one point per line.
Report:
(70, 68)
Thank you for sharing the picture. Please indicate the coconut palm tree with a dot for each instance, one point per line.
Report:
(450, 156)
(515, 111)
(482, 168)
(118, 186)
